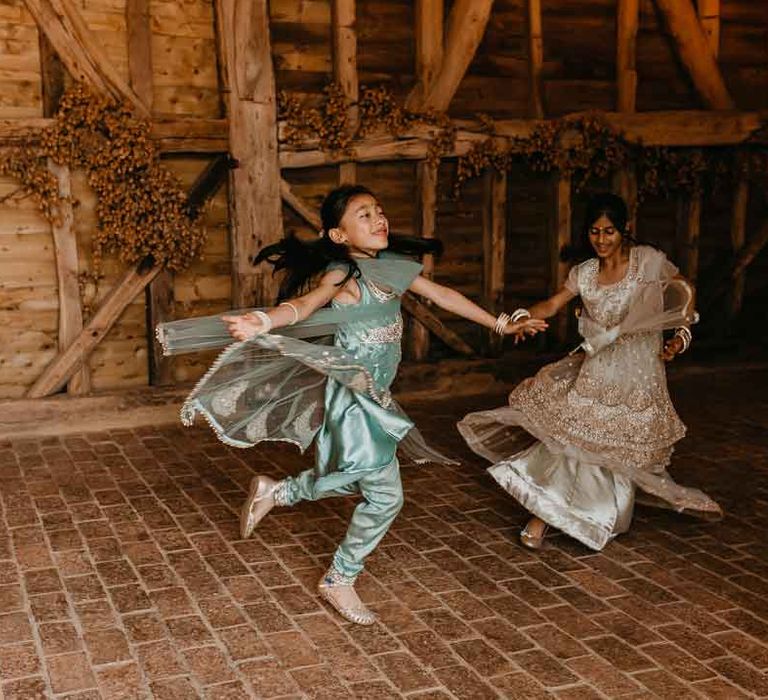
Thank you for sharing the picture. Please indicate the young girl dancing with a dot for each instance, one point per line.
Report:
(273, 386)
(581, 435)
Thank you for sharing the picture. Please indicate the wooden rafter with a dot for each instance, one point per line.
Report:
(535, 60)
(694, 49)
(249, 82)
(465, 28)
(709, 18)
(304, 210)
(626, 53)
(79, 49)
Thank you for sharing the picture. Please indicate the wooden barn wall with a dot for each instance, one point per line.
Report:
(578, 74)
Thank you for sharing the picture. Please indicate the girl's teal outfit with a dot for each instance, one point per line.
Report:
(335, 393)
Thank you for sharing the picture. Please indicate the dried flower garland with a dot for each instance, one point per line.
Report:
(142, 207)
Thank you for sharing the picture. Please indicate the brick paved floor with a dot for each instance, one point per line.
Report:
(122, 575)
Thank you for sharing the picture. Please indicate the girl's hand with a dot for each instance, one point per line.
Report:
(244, 327)
(672, 347)
(526, 327)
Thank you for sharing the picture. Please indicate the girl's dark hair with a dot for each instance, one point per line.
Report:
(303, 260)
(605, 204)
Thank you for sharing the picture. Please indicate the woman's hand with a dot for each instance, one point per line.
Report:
(526, 327)
(245, 326)
(674, 346)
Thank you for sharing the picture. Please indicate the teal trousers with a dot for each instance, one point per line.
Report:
(382, 499)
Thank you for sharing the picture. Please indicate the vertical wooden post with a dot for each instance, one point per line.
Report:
(245, 60)
(708, 15)
(494, 245)
(535, 60)
(738, 240)
(560, 236)
(625, 181)
(67, 272)
(345, 69)
(426, 210)
(429, 55)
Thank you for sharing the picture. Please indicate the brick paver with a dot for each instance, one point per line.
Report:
(122, 575)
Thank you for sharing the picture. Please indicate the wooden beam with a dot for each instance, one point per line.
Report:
(79, 49)
(64, 365)
(466, 26)
(67, 275)
(429, 57)
(694, 50)
(421, 312)
(690, 234)
(249, 83)
(535, 60)
(709, 18)
(137, 24)
(494, 246)
(560, 237)
(738, 240)
(626, 53)
(304, 210)
(345, 69)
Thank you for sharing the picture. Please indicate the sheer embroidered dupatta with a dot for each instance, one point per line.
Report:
(272, 387)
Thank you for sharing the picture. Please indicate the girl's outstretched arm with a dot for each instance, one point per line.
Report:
(455, 302)
(297, 309)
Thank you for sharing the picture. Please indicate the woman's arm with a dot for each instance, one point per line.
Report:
(248, 325)
(676, 344)
(455, 302)
(549, 307)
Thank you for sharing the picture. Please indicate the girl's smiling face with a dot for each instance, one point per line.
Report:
(363, 228)
(605, 238)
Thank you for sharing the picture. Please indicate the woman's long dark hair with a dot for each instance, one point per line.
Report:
(303, 260)
(605, 204)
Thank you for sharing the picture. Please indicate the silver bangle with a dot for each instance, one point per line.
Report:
(501, 323)
(292, 308)
(266, 322)
(519, 314)
(685, 335)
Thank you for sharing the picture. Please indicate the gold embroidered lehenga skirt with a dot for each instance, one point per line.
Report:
(578, 438)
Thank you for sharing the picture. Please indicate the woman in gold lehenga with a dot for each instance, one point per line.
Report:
(578, 438)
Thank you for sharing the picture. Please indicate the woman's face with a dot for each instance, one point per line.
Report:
(605, 238)
(363, 226)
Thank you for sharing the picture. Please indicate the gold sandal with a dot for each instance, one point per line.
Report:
(360, 614)
(261, 499)
(532, 541)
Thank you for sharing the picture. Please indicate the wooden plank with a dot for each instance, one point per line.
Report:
(626, 52)
(137, 23)
(79, 50)
(694, 50)
(255, 204)
(421, 312)
(535, 60)
(688, 232)
(738, 240)
(344, 52)
(466, 25)
(67, 275)
(494, 246)
(561, 236)
(709, 18)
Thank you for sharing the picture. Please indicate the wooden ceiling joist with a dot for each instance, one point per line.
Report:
(79, 50)
(694, 50)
